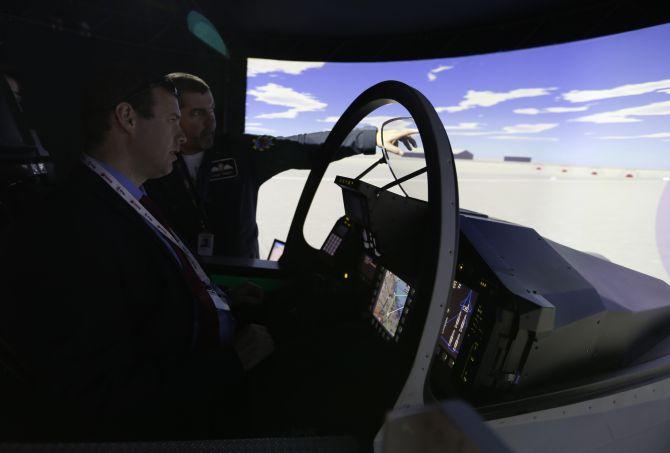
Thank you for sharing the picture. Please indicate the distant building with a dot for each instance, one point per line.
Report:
(464, 155)
(414, 154)
(516, 159)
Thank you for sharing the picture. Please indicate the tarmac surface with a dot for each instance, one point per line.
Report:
(610, 212)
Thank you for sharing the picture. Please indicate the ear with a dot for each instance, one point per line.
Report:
(126, 117)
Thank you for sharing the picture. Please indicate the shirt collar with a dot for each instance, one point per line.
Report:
(135, 191)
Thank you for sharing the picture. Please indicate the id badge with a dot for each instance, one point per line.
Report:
(205, 244)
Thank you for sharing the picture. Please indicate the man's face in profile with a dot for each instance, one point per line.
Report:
(158, 139)
(197, 121)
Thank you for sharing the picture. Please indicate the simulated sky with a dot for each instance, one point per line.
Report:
(602, 102)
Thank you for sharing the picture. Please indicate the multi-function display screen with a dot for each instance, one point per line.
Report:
(459, 312)
(390, 302)
(277, 250)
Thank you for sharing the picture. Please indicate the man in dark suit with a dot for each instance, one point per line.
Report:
(119, 334)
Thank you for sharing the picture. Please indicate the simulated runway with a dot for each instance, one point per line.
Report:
(610, 212)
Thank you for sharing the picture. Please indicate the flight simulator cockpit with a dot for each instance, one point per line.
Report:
(410, 300)
(472, 307)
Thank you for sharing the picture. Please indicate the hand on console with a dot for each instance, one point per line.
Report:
(253, 343)
(246, 302)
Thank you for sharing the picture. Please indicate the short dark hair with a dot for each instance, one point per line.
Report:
(185, 82)
(108, 89)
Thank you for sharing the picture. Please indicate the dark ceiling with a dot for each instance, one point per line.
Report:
(350, 30)
(347, 30)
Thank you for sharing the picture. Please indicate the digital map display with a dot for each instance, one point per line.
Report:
(390, 303)
(459, 311)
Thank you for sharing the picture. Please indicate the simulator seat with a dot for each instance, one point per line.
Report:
(24, 165)
(15, 395)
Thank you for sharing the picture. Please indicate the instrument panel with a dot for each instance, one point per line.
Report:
(491, 323)
(457, 319)
(391, 301)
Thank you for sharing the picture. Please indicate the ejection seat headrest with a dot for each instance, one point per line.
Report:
(14, 133)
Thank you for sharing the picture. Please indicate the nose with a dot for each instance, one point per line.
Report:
(211, 119)
(181, 136)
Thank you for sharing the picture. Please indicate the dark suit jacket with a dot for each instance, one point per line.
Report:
(95, 307)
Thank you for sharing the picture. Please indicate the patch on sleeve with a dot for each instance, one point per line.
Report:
(263, 143)
(223, 169)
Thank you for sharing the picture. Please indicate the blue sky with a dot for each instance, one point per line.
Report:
(600, 102)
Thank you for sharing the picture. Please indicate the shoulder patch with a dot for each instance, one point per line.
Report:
(263, 142)
(222, 169)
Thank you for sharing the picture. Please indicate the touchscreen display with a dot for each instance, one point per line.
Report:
(277, 250)
(390, 302)
(459, 311)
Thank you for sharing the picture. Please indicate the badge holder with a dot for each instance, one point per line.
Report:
(205, 244)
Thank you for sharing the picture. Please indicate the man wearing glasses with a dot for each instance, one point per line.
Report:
(118, 329)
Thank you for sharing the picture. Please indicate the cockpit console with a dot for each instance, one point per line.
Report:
(353, 249)
(524, 312)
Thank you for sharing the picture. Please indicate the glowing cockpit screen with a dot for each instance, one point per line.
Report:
(459, 311)
(390, 302)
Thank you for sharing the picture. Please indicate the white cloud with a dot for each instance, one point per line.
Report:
(257, 66)
(533, 111)
(622, 90)
(490, 98)
(440, 69)
(377, 121)
(507, 132)
(274, 94)
(529, 128)
(432, 72)
(665, 91)
(287, 114)
(515, 132)
(522, 137)
(258, 129)
(627, 115)
(252, 126)
(329, 119)
(566, 109)
(529, 111)
(462, 126)
(661, 135)
(471, 134)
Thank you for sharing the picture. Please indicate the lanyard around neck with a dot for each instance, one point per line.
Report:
(142, 211)
(191, 187)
